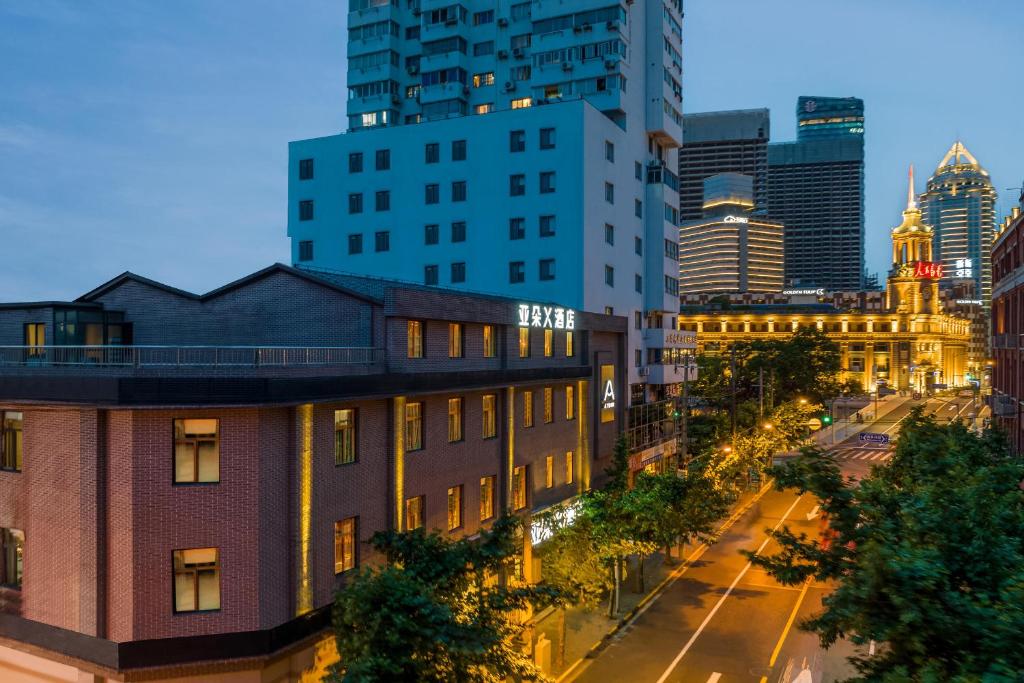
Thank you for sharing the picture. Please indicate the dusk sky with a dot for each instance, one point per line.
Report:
(151, 136)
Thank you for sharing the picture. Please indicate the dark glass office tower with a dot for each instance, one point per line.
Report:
(722, 142)
(816, 189)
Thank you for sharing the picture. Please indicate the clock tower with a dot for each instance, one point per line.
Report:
(913, 284)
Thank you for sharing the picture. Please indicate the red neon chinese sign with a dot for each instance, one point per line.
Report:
(927, 269)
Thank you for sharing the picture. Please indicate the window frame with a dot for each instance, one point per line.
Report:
(528, 409)
(339, 454)
(490, 346)
(352, 543)
(421, 501)
(456, 340)
(7, 462)
(175, 572)
(570, 402)
(417, 420)
(456, 420)
(414, 342)
(549, 405)
(458, 511)
(175, 442)
(489, 416)
(520, 490)
(490, 509)
(524, 342)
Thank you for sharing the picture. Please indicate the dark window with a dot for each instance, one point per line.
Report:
(355, 243)
(638, 246)
(431, 233)
(355, 202)
(483, 17)
(433, 152)
(432, 194)
(305, 169)
(609, 276)
(345, 436)
(196, 580)
(517, 141)
(459, 231)
(383, 159)
(516, 272)
(484, 48)
(638, 170)
(547, 226)
(516, 228)
(355, 162)
(547, 138)
(306, 250)
(547, 182)
(638, 283)
(383, 200)
(458, 272)
(609, 151)
(547, 269)
(638, 208)
(609, 193)
(517, 185)
(430, 275)
(196, 451)
(412, 33)
(458, 150)
(10, 440)
(306, 210)
(382, 241)
(609, 233)
(459, 191)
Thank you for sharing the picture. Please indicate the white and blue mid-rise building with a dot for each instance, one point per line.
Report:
(519, 149)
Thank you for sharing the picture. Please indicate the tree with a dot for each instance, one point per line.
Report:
(927, 552)
(436, 612)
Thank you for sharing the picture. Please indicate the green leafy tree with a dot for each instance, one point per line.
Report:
(436, 612)
(927, 554)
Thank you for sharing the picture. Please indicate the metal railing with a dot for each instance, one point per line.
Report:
(188, 356)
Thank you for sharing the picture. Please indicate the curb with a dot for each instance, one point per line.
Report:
(628, 618)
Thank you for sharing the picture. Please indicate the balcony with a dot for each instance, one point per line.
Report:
(659, 338)
(669, 374)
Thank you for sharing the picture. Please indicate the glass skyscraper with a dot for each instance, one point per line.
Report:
(829, 117)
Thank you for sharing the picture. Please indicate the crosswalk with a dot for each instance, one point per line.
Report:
(862, 454)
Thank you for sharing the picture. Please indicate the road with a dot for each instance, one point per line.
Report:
(722, 620)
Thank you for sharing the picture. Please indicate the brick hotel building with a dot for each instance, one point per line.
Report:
(185, 480)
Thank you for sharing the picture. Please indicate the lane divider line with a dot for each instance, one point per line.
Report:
(787, 627)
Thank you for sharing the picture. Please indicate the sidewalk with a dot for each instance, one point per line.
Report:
(588, 631)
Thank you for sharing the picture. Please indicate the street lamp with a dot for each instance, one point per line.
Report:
(768, 426)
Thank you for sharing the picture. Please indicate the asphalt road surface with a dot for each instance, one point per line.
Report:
(722, 620)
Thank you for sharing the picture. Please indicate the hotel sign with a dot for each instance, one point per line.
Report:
(547, 317)
(736, 219)
(927, 270)
(607, 389)
(968, 302)
(804, 292)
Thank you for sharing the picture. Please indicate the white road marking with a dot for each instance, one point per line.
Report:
(876, 456)
(718, 605)
(813, 513)
(713, 678)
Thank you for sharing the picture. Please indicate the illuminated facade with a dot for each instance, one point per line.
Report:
(1007, 398)
(730, 249)
(911, 344)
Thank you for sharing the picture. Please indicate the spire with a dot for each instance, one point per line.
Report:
(911, 204)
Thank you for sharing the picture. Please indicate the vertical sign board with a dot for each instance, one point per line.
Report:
(606, 390)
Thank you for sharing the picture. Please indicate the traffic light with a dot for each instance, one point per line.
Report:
(826, 419)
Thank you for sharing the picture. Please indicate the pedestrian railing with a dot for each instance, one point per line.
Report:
(161, 357)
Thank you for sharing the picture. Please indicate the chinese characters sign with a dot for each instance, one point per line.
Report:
(963, 268)
(927, 270)
(549, 317)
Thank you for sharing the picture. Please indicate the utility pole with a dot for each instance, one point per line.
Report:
(684, 413)
(732, 382)
(760, 395)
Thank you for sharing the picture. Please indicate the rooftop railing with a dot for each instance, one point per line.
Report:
(186, 357)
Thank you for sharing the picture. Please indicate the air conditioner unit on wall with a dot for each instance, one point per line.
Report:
(566, 66)
(502, 54)
(502, 22)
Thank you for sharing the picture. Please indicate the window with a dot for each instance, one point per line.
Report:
(547, 182)
(458, 190)
(12, 553)
(609, 276)
(672, 250)
(344, 436)
(306, 250)
(458, 273)
(433, 152)
(638, 208)
(638, 283)
(671, 285)
(431, 233)
(517, 141)
(432, 193)
(484, 48)
(547, 226)
(35, 338)
(196, 580)
(483, 17)
(355, 162)
(383, 159)
(524, 342)
(570, 403)
(382, 241)
(519, 488)
(413, 426)
(547, 269)
(454, 420)
(485, 108)
(522, 103)
(570, 346)
(305, 169)
(549, 343)
(521, 41)
(414, 338)
(382, 200)
(487, 486)
(547, 138)
(521, 73)
(638, 320)
(517, 185)
(459, 231)
(430, 274)
(355, 202)
(568, 467)
(482, 79)
(306, 210)
(11, 447)
(355, 244)
(638, 246)
(516, 228)
(412, 32)
(638, 170)
(549, 410)
(454, 507)
(609, 233)
(489, 346)
(414, 513)
(609, 151)
(609, 193)
(637, 358)
(521, 11)
(196, 451)
(549, 471)
(516, 272)
(458, 150)
(345, 545)
(456, 340)
(527, 409)
(490, 424)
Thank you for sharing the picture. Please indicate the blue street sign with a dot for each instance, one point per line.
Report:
(874, 437)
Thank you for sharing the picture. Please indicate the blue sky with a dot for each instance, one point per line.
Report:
(152, 135)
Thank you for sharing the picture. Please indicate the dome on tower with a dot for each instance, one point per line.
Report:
(912, 214)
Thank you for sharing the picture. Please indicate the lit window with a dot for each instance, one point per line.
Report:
(524, 342)
(12, 552)
(570, 403)
(456, 345)
(490, 417)
(489, 346)
(35, 337)
(519, 488)
(196, 451)
(487, 486)
(413, 426)
(570, 350)
(485, 108)
(568, 467)
(454, 420)
(480, 80)
(549, 471)
(345, 545)
(196, 580)
(522, 103)
(414, 513)
(549, 343)
(527, 409)
(414, 333)
(454, 507)
(11, 446)
(549, 413)
(344, 436)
